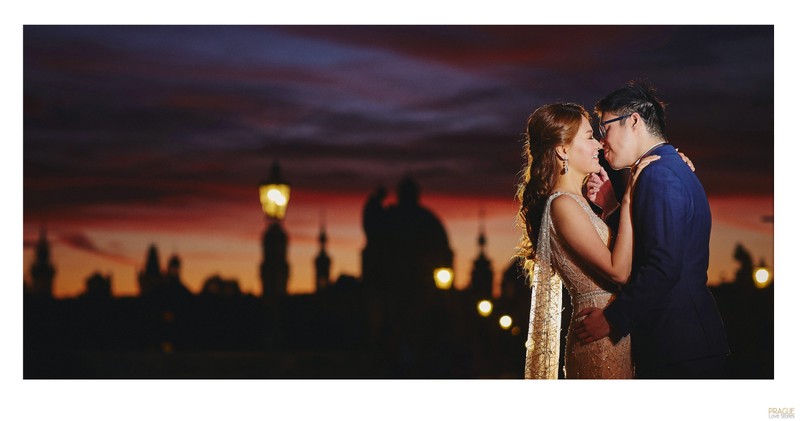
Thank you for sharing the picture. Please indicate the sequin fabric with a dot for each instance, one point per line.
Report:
(556, 262)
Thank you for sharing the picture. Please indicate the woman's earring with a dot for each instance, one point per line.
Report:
(566, 165)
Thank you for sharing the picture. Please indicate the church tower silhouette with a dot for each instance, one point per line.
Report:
(166, 285)
(174, 267)
(42, 271)
(274, 266)
(481, 282)
(322, 263)
(173, 286)
(150, 278)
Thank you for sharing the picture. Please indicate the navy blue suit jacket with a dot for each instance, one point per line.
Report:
(666, 306)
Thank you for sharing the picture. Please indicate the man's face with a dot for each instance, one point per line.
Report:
(619, 145)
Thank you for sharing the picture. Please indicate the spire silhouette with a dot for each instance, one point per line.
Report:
(482, 280)
(165, 285)
(42, 270)
(150, 278)
(322, 263)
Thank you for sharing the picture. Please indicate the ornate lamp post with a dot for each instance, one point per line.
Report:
(274, 196)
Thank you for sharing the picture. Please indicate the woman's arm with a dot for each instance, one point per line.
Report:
(575, 227)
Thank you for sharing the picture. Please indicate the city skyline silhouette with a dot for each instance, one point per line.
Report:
(392, 321)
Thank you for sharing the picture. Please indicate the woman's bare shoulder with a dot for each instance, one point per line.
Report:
(567, 211)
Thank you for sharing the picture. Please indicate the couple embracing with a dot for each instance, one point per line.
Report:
(641, 305)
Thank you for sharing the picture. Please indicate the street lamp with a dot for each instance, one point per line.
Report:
(485, 308)
(506, 322)
(762, 277)
(443, 278)
(274, 195)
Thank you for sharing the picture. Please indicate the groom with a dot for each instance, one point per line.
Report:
(675, 327)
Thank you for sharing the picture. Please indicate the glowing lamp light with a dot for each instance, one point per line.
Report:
(506, 322)
(485, 308)
(274, 200)
(443, 278)
(761, 276)
(274, 195)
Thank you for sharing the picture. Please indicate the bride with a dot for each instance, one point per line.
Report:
(565, 241)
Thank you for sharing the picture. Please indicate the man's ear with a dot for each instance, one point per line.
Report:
(636, 120)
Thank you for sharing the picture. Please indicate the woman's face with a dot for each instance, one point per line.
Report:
(583, 152)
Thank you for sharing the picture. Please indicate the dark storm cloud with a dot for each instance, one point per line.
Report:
(483, 48)
(152, 114)
(465, 163)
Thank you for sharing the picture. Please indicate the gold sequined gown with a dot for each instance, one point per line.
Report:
(557, 263)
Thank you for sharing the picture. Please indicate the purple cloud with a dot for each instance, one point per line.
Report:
(82, 242)
(156, 115)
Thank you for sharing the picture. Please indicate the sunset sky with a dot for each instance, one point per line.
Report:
(139, 135)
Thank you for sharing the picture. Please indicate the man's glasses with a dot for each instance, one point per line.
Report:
(602, 126)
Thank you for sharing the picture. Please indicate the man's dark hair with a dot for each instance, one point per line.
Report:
(636, 97)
